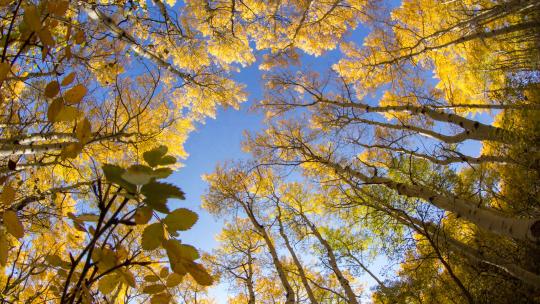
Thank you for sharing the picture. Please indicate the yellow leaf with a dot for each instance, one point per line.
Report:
(152, 289)
(143, 215)
(4, 248)
(108, 283)
(151, 278)
(79, 37)
(128, 277)
(174, 279)
(52, 89)
(67, 113)
(54, 108)
(152, 236)
(8, 195)
(69, 79)
(32, 18)
(72, 150)
(56, 261)
(13, 225)
(83, 131)
(179, 252)
(4, 70)
(75, 94)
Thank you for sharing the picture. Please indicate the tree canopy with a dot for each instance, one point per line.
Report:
(418, 148)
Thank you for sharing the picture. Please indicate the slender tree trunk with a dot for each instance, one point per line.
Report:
(289, 293)
(488, 219)
(445, 159)
(473, 129)
(94, 13)
(351, 296)
(456, 246)
(295, 258)
(249, 281)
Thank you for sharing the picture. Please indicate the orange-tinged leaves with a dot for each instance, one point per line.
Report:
(52, 89)
(164, 272)
(4, 248)
(8, 195)
(46, 37)
(13, 224)
(162, 298)
(75, 94)
(4, 70)
(79, 37)
(32, 18)
(69, 79)
(58, 8)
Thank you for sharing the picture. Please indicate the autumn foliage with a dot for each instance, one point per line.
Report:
(418, 148)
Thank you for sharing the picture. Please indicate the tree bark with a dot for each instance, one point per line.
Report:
(523, 229)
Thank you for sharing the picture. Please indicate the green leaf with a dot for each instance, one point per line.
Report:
(113, 174)
(153, 157)
(138, 174)
(167, 160)
(180, 219)
(159, 206)
(88, 217)
(162, 172)
(152, 236)
(143, 215)
(161, 191)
